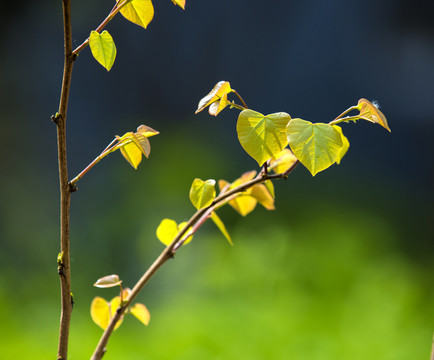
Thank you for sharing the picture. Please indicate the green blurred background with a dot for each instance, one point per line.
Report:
(343, 269)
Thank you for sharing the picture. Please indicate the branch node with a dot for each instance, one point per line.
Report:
(72, 300)
(72, 187)
(56, 118)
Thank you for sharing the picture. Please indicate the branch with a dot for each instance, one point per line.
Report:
(171, 249)
(65, 194)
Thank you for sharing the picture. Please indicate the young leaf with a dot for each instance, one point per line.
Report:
(141, 312)
(216, 107)
(102, 311)
(180, 3)
(216, 95)
(108, 281)
(103, 48)
(262, 137)
(282, 161)
(140, 12)
(370, 112)
(317, 146)
(263, 196)
(219, 223)
(345, 144)
(202, 193)
(168, 230)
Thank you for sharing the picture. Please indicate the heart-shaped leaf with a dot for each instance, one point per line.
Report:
(317, 146)
(370, 112)
(140, 12)
(103, 48)
(169, 229)
(102, 311)
(202, 193)
(262, 137)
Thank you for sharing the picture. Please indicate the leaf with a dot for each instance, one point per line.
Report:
(263, 196)
(370, 112)
(140, 12)
(345, 144)
(146, 131)
(216, 94)
(108, 281)
(262, 137)
(270, 187)
(216, 107)
(219, 223)
(103, 48)
(168, 230)
(202, 193)
(282, 161)
(141, 312)
(102, 311)
(180, 3)
(317, 146)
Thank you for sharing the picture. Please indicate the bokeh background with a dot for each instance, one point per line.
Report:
(342, 269)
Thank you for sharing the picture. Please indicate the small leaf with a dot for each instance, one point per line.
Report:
(108, 281)
(262, 137)
(370, 112)
(102, 311)
(140, 12)
(202, 193)
(141, 312)
(282, 161)
(345, 144)
(216, 107)
(270, 187)
(146, 131)
(217, 93)
(103, 48)
(219, 223)
(180, 3)
(132, 148)
(317, 146)
(168, 230)
(261, 193)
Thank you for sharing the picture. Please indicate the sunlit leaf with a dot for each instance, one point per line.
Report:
(345, 144)
(317, 146)
(216, 107)
(146, 131)
(180, 3)
(108, 281)
(181, 226)
(282, 161)
(270, 187)
(102, 311)
(141, 312)
(103, 48)
(139, 12)
(370, 112)
(219, 223)
(216, 94)
(263, 196)
(262, 137)
(132, 149)
(168, 230)
(202, 193)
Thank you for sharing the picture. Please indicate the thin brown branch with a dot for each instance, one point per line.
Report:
(65, 194)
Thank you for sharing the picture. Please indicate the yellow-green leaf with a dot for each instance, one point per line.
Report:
(132, 148)
(108, 281)
(317, 146)
(140, 12)
(345, 144)
(262, 137)
(216, 107)
(270, 187)
(202, 193)
(102, 311)
(103, 48)
(180, 3)
(141, 312)
(263, 196)
(217, 93)
(169, 229)
(370, 112)
(282, 161)
(219, 223)
(242, 202)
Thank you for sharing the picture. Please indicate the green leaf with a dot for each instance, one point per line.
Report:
(216, 95)
(103, 48)
(262, 137)
(169, 229)
(141, 312)
(108, 281)
(202, 193)
(370, 112)
(317, 146)
(345, 144)
(140, 12)
(180, 3)
(221, 226)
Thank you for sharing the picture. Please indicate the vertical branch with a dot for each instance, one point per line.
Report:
(65, 193)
